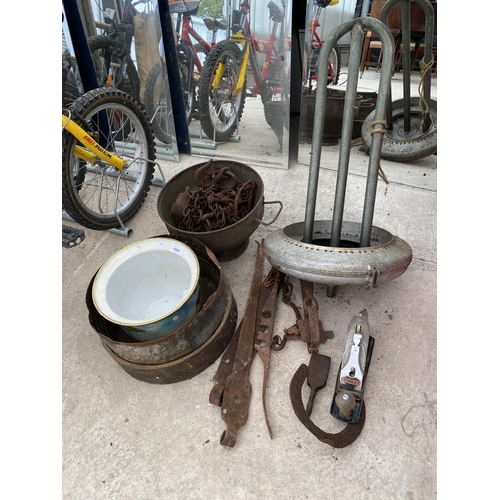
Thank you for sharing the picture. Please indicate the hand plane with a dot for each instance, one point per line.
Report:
(351, 378)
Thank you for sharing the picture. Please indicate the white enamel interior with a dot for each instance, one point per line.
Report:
(145, 281)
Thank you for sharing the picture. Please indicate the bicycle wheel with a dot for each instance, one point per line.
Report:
(94, 194)
(202, 54)
(333, 66)
(71, 86)
(157, 102)
(221, 110)
(274, 99)
(186, 69)
(102, 48)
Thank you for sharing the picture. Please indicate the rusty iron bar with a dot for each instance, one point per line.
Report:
(265, 329)
(238, 389)
(227, 361)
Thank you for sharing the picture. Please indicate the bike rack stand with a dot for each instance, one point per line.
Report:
(123, 230)
(337, 252)
(209, 143)
(415, 136)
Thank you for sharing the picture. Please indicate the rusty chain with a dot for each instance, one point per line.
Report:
(213, 204)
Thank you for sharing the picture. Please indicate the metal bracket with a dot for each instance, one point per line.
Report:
(372, 276)
(309, 329)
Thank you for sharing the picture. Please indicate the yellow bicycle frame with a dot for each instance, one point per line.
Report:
(95, 151)
(237, 38)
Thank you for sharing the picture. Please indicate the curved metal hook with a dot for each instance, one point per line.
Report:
(341, 439)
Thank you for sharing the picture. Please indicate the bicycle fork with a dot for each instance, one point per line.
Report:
(95, 149)
(239, 39)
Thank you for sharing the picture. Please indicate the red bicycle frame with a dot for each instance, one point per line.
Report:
(263, 45)
(187, 31)
(317, 42)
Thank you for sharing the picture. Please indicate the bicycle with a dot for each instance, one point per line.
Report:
(111, 53)
(108, 158)
(223, 80)
(316, 44)
(189, 54)
(111, 56)
(186, 32)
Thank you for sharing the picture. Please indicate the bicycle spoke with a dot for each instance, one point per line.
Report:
(220, 106)
(97, 191)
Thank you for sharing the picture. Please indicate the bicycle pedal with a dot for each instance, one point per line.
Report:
(71, 236)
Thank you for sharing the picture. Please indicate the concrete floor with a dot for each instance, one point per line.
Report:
(130, 440)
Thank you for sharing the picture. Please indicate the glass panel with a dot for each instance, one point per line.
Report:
(147, 51)
(321, 19)
(130, 63)
(261, 136)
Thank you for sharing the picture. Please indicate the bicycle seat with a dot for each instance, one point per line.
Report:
(277, 15)
(187, 9)
(215, 24)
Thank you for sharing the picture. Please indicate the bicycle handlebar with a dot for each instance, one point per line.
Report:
(326, 3)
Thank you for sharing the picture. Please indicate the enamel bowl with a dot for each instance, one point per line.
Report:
(149, 288)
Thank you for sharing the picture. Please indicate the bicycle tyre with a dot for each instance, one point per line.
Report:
(101, 48)
(201, 51)
(186, 69)
(202, 54)
(276, 104)
(89, 191)
(333, 58)
(157, 102)
(220, 112)
(70, 87)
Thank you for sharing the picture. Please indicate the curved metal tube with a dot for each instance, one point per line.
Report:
(406, 40)
(356, 26)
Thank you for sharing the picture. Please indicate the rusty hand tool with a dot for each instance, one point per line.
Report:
(227, 360)
(309, 329)
(225, 369)
(238, 389)
(319, 366)
(265, 324)
(265, 328)
(339, 440)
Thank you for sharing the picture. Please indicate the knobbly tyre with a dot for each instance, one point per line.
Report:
(108, 158)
